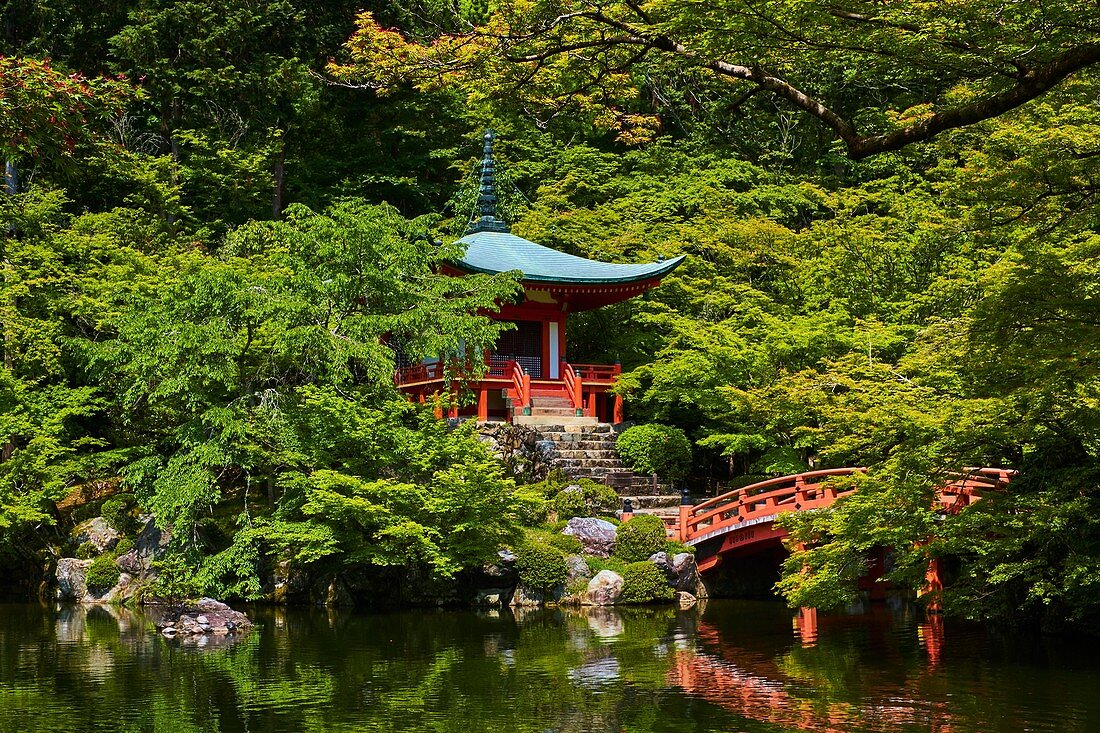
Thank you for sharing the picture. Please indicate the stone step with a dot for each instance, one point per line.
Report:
(568, 453)
(574, 436)
(655, 502)
(592, 431)
(567, 424)
(607, 464)
(562, 411)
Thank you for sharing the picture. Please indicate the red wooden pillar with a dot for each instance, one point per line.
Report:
(617, 414)
(483, 404)
(592, 403)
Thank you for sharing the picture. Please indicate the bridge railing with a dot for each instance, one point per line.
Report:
(811, 490)
(816, 490)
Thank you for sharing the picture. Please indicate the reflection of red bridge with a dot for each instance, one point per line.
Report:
(744, 518)
(756, 689)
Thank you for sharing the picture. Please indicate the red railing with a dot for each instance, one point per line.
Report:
(813, 490)
(573, 386)
(521, 384)
(418, 373)
(598, 372)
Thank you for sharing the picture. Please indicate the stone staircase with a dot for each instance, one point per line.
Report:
(552, 409)
(583, 447)
(587, 450)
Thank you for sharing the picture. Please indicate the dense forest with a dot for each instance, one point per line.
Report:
(215, 211)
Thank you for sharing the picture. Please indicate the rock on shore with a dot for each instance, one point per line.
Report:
(205, 617)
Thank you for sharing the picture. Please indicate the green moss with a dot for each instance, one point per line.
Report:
(641, 537)
(117, 512)
(102, 573)
(86, 551)
(643, 582)
(124, 545)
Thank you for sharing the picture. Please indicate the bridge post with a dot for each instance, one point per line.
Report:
(685, 514)
(627, 513)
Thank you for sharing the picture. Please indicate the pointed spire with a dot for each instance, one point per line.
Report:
(485, 219)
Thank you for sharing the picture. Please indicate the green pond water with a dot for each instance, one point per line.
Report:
(728, 666)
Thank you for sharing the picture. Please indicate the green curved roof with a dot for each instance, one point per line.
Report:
(493, 252)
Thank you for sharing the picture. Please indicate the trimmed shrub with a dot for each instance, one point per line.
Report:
(541, 566)
(675, 548)
(102, 573)
(116, 511)
(86, 551)
(644, 582)
(124, 545)
(639, 538)
(567, 543)
(653, 448)
(588, 499)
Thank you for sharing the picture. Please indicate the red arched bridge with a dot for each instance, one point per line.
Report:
(744, 518)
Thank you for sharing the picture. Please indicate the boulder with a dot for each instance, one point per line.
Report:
(493, 597)
(686, 600)
(597, 536)
(576, 569)
(576, 580)
(151, 541)
(97, 532)
(207, 616)
(681, 571)
(604, 589)
(71, 579)
(528, 596)
(503, 569)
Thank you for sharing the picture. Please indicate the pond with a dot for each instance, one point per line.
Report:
(725, 666)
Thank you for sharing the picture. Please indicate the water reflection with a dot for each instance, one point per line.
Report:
(729, 666)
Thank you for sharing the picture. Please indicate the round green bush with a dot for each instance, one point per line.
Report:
(567, 543)
(116, 511)
(102, 573)
(675, 548)
(86, 551)
(658, 449)
(639, 538)
(586, 498)
(644, 582)
(541, 566)
(124, 545)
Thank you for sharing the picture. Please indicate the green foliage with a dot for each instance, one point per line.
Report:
(641, 537)
(585, 498)
(644, 582)
(124, 545)
(659, 449)
(676, 548)
(567, 543)
(176, 581)
(102, 573)
(541, 566)
(86, 551)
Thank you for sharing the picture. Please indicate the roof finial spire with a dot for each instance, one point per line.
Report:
(485, 219)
